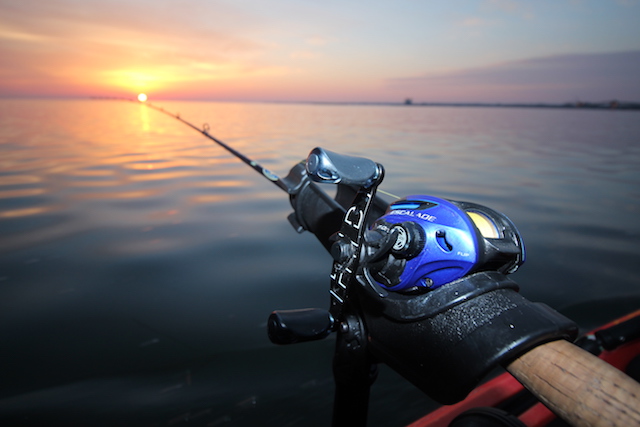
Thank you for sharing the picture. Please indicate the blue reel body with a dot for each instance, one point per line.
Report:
(424, 242)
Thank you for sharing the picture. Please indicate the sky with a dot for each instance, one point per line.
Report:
(533, 51)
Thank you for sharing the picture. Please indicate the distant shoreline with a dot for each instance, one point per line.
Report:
(610, 105)
(606, 105)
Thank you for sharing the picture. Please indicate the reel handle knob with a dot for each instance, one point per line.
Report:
(294, 326)
(333, 168)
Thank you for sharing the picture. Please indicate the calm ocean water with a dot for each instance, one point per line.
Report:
(139, 261)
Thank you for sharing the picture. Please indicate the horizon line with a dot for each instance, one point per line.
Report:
(408, 102)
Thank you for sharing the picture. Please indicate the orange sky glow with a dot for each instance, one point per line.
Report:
(486, 51)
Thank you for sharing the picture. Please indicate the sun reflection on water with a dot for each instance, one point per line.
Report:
(105, 151)
(144, 118)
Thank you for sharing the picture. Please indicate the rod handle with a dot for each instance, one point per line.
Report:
(579, 387)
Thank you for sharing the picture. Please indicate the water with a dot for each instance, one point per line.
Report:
(139, 261)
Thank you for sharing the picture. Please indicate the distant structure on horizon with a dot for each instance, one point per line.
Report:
(614, 104)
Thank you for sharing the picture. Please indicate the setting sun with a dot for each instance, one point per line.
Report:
(142, 97)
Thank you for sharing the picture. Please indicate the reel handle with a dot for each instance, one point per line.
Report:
(333, 168)
(294, 326)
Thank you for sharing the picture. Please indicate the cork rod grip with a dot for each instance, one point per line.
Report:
(579, 387)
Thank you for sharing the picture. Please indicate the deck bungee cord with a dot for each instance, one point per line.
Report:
(421, 285)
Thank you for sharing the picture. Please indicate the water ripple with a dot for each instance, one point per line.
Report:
(26, 192)
(16, 213)
(9, 180)
(112, 216)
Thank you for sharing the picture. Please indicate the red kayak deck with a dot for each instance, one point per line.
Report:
(503, 387)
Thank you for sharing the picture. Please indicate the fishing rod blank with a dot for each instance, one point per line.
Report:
(205, 131)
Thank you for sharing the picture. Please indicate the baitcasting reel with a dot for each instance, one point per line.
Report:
(418, 245)
(419, 285)
(423, 242)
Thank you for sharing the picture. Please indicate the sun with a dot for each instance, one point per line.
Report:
(142, 97)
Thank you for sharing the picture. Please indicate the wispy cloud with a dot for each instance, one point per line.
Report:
(340, 50)
(513, 7)
(474, 22)
(558, 78)
(126, 46)
(318, 41)
(304, 54)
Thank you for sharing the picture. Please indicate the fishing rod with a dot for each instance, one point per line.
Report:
(421, 285)
(205, 131)
(314, 209)
(281, 183)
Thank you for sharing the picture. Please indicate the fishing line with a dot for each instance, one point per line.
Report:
(205, 131)
(388, 194)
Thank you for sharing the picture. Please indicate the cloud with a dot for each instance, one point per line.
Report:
(560, 78)
(104, 45)
(474, 21)
(317, 41)
(506, 5)
(513, 7)
(304, 54)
